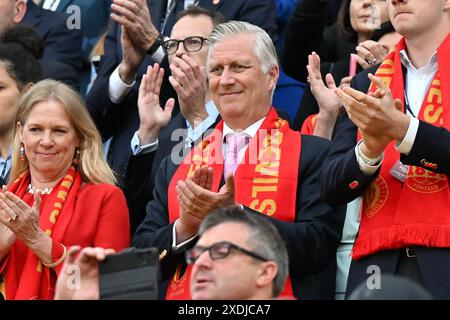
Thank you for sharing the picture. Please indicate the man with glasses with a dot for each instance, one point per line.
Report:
(239, 256)
(156, 136)
(133, 43)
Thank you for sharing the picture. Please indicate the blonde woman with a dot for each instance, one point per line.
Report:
(61, 192)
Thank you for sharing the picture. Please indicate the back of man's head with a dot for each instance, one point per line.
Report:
(263, 239)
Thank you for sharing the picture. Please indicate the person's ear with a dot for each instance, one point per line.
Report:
(20, 8)
(446, 5)
(19, 130)
(27, 87)
(267, 273)
(273, 74)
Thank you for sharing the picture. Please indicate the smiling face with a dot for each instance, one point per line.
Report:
(415, 17)
(241, 91)
(49, 138)
(233, 277)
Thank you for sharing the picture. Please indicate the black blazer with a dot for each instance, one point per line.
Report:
(122, 120)
(341, 168)
(311, 241)
(61, 44)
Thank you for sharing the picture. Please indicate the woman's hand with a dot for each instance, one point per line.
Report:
(7, 237)
(370, 53)
(21, 219)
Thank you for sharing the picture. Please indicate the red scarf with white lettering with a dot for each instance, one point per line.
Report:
(266, 180)
(414, 213)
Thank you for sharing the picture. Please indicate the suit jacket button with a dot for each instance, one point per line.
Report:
(353, 185)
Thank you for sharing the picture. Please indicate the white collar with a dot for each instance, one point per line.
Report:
(251, 130)
(406, 61)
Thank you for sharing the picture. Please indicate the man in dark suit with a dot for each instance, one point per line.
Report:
(61, 59)
(113, 97)
(392, 148)
(269, 170)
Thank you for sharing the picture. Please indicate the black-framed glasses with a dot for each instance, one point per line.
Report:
(191, 44)
(219, 250)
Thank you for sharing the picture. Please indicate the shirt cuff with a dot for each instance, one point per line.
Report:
(174, 237)
(159, 55)
(117, 89)
(406, 145)
(366, 168)
(137, 149)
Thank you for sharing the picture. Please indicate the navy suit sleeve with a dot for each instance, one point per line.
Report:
(155, 230)
(432, 145)
(340, 167)
(313, 238)
(63, 44)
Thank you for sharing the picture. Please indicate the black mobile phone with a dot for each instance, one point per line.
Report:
(132, 274)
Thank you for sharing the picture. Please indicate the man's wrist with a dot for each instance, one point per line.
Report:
(155, 45)
(148, 136)
(369, 158)
(126, 73)
(402, 128)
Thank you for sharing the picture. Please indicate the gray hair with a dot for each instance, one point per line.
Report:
(264, 47)
(264, 239)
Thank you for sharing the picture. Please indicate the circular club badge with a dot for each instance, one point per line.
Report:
(424, 181)
(375, 196)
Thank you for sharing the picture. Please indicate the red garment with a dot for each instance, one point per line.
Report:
(414, 213)
(98, 218)
(309, 125)
(265, 180)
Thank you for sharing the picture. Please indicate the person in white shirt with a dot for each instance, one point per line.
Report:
(392, 148)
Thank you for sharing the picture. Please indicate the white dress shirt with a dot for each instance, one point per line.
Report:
(192, 134)
(417, 84)
(50, 4)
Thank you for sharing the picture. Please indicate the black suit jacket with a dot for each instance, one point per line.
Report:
(122, 120)
(311, 241)
(341, 168)
(61, 44)
(140, 170)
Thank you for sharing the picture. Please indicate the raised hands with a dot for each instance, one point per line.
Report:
(197, 200)
(138, 34)
(152, 116)
(325, 95)
(189, 81)
(378, 116)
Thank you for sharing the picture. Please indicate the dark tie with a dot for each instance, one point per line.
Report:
(175, 7)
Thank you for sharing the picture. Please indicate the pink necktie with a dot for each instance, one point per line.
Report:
(234, 143)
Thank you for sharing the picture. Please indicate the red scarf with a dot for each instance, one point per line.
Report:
(415, 213)
(35, 281)
(309, 124)
(265, 181)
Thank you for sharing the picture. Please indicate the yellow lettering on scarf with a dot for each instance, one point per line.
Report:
(66, 184)
(54, 215)
(432, 115)
(268, 205)
(62, 195)
(435, 92)
(268, 168)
